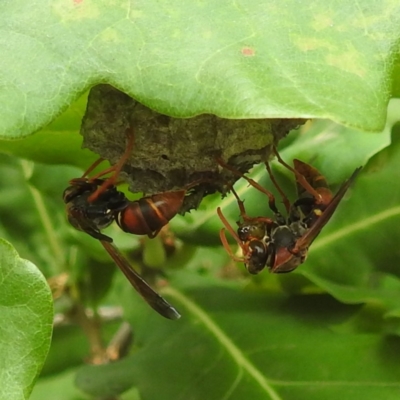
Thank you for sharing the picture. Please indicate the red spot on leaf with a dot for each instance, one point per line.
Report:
(77, 1)
(248, 51)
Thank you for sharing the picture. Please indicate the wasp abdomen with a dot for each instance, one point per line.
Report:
(149, 214)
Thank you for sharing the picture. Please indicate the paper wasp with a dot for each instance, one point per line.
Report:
(94, 203)
(282, 243)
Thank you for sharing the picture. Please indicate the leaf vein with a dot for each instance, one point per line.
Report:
(225, 341)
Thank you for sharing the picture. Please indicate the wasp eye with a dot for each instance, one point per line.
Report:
(258, 254)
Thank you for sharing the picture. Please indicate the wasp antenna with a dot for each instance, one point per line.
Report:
(228, 248)
(230, 230)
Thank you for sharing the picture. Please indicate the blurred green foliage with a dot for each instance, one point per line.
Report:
(326, 330)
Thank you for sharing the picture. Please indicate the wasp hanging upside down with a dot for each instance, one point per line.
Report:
(94, 203)
(282, 243)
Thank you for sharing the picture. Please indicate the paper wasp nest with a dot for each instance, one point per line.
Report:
(170, 153)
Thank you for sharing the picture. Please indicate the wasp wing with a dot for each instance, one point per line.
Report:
(157, 302)
(287, 261)
(305, 241)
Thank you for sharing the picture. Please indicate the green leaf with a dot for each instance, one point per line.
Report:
(25, 326)
(57, 143)
(292, 59)
(234, 344)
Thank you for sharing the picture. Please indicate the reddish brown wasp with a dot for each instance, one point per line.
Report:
(282, 243)
(94, 203)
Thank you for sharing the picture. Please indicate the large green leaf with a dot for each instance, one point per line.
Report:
(232, 345)
(247, 60)
(25, 325)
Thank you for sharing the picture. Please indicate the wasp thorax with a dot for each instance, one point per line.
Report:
(283, 236)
